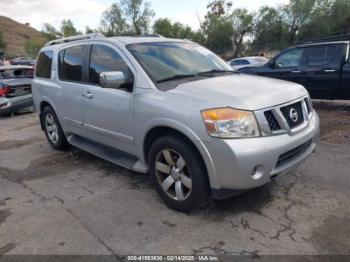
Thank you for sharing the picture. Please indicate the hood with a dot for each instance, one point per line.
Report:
(241, 91)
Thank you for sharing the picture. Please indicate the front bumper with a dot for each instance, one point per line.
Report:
(241, 164)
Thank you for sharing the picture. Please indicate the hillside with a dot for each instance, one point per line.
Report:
(16, 35)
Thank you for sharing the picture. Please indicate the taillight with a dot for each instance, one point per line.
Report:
(5, 90)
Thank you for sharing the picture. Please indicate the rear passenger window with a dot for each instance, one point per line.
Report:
(321, 55)
(44, 64)
(105, 59)
(71, 63)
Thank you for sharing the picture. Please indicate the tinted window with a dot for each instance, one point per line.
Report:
(240, 62)
(16, 73)
(167, 59)
(44, 64)
(321, 55)
(105, 59)
(291, 58)
(71, 63)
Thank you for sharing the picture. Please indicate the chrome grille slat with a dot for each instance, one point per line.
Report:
(277, 120)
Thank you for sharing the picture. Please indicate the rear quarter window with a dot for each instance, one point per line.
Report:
(44, 64)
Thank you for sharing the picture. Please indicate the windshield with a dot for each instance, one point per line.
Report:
(164, 60)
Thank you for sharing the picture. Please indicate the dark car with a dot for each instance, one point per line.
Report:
(15, 88)
(322, 68)
(22, 61)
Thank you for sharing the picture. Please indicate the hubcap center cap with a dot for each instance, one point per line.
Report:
(175, 172)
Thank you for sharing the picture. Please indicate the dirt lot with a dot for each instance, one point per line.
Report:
(74, 203)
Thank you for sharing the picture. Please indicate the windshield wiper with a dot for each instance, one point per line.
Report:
(174, 77)
(215, 71)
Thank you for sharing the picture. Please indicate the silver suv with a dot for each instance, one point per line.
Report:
(175, 110)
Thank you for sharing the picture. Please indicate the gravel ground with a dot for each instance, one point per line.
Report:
(74, 203)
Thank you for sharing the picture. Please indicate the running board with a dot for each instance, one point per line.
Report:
(107, 153)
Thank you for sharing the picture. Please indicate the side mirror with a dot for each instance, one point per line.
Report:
(112, 79)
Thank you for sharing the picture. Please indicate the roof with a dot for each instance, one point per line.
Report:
(9, 67)
(125, 40)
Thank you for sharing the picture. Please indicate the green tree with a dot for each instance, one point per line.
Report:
(113, 21)
(3, 44)
(296, 15)
(242, 26)
(50, 31)
(127, 17)
(269, 30)
(34, 44)
(217, 27)
(68, 29)
(166, 28)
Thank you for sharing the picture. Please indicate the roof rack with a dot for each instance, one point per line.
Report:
(151, 35)
(75, 38)
(342, 35)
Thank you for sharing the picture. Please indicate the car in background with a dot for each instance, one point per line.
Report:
(322, 67)
(248, 61)
(22, 61)
(15, 88)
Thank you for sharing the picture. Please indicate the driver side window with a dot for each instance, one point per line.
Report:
(291, 58)
(105, 59)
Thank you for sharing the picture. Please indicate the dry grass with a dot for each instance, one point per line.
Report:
(16, 35)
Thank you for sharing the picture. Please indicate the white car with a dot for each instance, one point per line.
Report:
(248, 61)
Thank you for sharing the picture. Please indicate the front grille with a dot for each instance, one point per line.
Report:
(292, 154)
(308, 105)
(272, 121)
(298, 110)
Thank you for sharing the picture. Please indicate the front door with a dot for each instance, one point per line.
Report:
(108, 111)
(286, 66)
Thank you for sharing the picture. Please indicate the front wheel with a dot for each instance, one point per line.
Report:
(179, 174)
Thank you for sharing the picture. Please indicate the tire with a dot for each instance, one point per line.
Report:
(53, 129)
(178, 173)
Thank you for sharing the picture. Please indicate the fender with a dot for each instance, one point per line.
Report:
(185, 130)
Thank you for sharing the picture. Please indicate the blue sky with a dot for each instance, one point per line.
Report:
(88, 12)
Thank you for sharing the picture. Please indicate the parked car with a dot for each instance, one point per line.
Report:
(15, 88)
(323, 68)
(22, 61)
(248, 61)
(174, 109)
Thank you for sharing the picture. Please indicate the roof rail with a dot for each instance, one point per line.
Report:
(342, 35)
(75, 38)
(151, 35)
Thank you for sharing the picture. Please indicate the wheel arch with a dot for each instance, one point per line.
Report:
(189, 136)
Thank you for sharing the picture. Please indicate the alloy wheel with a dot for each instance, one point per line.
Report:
(51, 128)
(173, 174)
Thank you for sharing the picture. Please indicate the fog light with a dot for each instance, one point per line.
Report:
(257, 172)
(253, 172)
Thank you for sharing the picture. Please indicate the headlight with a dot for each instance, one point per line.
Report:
(230, 123)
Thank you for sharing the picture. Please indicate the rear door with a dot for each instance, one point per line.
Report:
(321, 73)
(71, 61)
(286, 66)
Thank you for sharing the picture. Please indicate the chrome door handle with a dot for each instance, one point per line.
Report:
(329, 70)
(296, 71)
(88, 95)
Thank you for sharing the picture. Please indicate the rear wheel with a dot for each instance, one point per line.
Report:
(53, 130)
(178, 173)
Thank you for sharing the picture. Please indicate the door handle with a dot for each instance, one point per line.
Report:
(329, 70)
(296, 71)
(88, 95)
